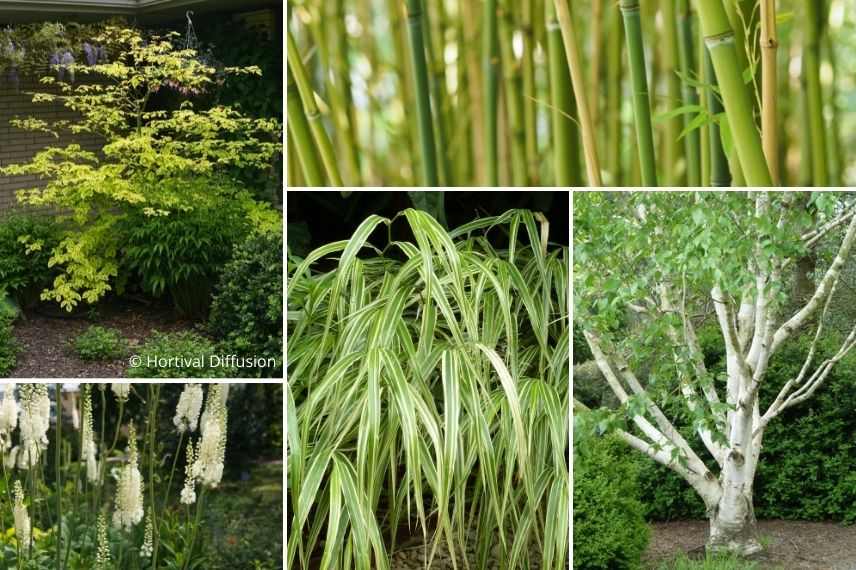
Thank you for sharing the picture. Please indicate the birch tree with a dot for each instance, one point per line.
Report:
(649, 268)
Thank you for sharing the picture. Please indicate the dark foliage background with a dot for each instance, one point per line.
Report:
(808, 463)
(318, 217)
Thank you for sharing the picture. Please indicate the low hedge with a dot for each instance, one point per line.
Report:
(610, 531)
(807, 469)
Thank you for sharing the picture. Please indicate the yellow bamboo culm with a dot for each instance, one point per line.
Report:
(566, 24)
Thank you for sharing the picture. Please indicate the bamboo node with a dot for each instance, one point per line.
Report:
(628, 7)
(719, 39)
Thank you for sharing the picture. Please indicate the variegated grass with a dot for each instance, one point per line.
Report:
(428, 390)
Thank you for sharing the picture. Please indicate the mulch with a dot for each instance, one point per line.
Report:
(789, 545)
(45, 336)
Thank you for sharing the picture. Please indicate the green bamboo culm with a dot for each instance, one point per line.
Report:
(490, 62)
(813, 26)
(437, 81)
(301, 135)
(313, 115)
(670, 62)
(339, 89)
(692, 138)
(614, 95)
(513, 97)
(423, 97)
(736, 96)
(639, 81)
(566, 142)
(720, 174)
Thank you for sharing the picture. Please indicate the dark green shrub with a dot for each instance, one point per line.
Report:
(807, 469)
(99, 343)
(610, 532)
(176, 355)
(255, 424)
(8, 346)
(247, 309)
(182, 253)
(808, 463)
(26, 243)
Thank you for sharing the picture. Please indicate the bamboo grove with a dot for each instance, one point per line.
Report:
(428, 395)
(588, 92)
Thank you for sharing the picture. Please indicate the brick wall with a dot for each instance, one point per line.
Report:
(17, 145)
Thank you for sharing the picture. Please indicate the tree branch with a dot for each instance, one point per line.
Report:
(787, 329)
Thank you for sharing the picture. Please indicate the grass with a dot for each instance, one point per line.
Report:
(711, 562)
(428, 391)
(718, 561)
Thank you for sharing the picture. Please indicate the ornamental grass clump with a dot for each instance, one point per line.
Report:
(428, 393)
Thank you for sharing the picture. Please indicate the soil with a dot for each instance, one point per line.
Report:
(411, 554)
(788, 545)
(45, 335)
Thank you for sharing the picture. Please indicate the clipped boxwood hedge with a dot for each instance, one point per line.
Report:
(808, 462)
(610, 531)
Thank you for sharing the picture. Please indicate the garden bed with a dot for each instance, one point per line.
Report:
(243, 511)
(44, 339)
(793, 545)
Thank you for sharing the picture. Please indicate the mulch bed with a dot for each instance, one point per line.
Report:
(792, 545)
(44, 337)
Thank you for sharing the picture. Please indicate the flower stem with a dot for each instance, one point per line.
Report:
(154, 400)
(172, 471)
(194, 529)
(58, 467)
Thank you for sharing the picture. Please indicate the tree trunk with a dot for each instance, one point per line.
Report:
(733, 527)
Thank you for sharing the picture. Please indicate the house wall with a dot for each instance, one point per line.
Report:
(17, 145)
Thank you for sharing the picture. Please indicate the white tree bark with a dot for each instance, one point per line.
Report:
(750, 334)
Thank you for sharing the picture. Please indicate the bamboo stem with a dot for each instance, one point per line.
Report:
(737, 100)
(769, 88)
(720, 173)
(529, 92)
(692, 139)
(670, 49)
(298, 128)
(512, 98)
(437, 67)
(490, 61)
(596, 40)
(423, 98)
(835, 143)
(344, 118)
(814, 91)
(613, 95)
(566, 24)
(474, 84)
(566, 151)
(313, 115)
(641, 99)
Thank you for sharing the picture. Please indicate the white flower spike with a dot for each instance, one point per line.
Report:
(129, 490)
(188, 408)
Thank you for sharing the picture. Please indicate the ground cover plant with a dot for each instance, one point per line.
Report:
(650, 269)
(99, 343)
(427, 395)
(101, 476)
(156, 215)
(559, 92)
